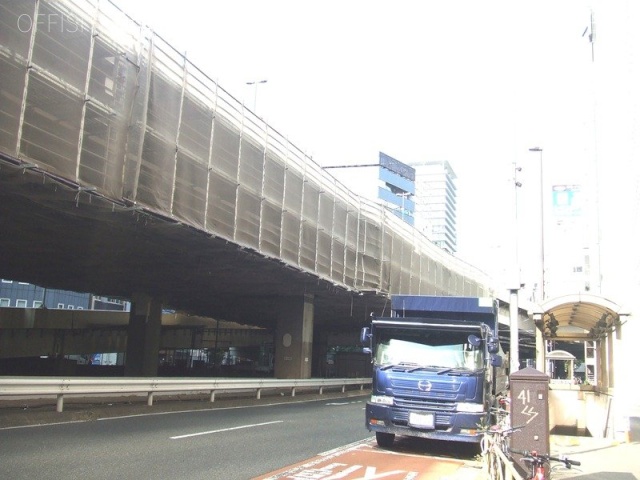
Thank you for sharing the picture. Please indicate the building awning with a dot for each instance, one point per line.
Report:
(578, 316)
(560, 355)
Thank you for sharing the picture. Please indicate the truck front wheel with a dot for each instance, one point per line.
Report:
(385, 440)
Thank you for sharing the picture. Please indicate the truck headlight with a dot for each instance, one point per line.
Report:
(470, 407)
(382, 399)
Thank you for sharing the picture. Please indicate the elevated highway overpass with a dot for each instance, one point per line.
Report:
(49, 332)
(126, 171)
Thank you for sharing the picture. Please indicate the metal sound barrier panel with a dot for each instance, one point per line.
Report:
(104, 103)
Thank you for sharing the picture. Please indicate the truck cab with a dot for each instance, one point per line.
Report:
(437, 369)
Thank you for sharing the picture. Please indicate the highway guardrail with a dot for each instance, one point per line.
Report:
(41, 387)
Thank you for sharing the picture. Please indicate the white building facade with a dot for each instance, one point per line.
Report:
(436, 204)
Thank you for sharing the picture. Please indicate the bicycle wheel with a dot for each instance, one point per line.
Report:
(496, 469)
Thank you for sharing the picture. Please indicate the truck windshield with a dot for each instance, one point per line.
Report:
(437, 350)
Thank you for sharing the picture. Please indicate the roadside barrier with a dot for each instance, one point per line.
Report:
(42, 387)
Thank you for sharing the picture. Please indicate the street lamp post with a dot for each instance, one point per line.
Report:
(516, 185)
(514, 337)
(542, 267)
(514, 333)
(255, 91)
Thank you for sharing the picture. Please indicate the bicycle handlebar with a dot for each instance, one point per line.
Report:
(540, 458)
(503, 431)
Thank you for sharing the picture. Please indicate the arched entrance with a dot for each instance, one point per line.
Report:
(586, 320)
(586, 327)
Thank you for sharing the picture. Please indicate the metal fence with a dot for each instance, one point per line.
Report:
(90, 96)
(42, 387)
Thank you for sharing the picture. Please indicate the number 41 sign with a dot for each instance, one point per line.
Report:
(528, 410)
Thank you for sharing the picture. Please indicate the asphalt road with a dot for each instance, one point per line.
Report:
(237, 442)
(245, 438)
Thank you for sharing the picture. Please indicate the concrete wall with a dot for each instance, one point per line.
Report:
(581, 408)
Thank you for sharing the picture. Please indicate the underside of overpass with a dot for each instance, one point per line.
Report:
(56, 236)
(35, 332)
(126, 171)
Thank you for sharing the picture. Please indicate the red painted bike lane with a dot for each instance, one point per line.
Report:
(365, 460)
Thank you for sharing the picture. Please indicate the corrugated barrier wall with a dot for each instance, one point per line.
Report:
(89, 95)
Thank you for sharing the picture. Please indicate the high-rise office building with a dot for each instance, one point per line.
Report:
(569, 258)
(388, 182)
(435, 203)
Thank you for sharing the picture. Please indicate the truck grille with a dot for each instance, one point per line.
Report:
(440, 391)
(424, 404)
(401, 418)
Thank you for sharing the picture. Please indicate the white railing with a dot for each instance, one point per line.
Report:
(42, 387)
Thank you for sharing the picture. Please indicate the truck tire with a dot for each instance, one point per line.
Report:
(385, 440)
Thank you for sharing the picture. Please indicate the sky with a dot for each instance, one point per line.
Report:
(475, 83)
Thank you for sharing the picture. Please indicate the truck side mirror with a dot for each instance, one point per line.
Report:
(365, 335)
(474, 340)
(493, 344)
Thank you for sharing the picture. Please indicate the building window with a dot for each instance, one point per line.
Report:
(61, 305)
(21, 303)
(5, 302)
(37, 304)
(70, 307)
(7, 281)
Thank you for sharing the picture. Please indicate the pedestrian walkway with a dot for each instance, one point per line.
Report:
(600, 459)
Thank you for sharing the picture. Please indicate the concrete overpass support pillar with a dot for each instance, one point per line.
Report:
(294, 338)
(143, 342)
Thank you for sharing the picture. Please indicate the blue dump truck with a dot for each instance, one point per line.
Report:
(438, 368)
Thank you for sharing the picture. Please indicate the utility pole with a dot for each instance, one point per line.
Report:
(514, 334)
(542, 266)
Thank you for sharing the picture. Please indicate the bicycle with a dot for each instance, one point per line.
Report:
(537, 463)
(495, 451)
(501, 413)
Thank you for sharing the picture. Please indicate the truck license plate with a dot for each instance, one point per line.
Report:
(421, 420)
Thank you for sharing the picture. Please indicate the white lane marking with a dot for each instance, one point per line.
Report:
(206, 410)
(42, 424)
(153, 414)
(178, 437)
